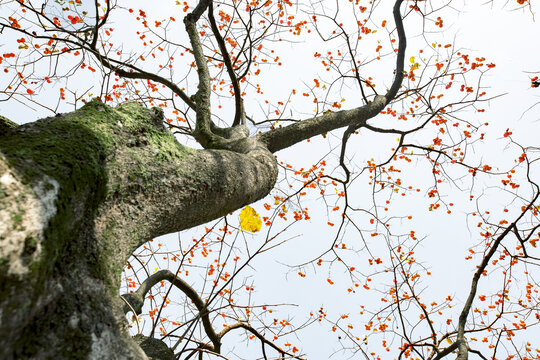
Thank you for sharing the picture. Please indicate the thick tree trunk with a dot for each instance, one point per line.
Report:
(78, 193)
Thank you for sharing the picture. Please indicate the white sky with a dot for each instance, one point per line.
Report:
(506, 37)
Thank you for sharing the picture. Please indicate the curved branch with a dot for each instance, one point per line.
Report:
(258, 335)
(401, 52)
(239, 116)
(136, 73)
(137, 298)
(201, 7)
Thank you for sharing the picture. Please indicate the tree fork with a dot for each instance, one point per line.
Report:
(79, 193)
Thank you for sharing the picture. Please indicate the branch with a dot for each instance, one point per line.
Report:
(133, 72)
(201, 7)
(6, 125)
(99, 21)
(401, 53)
(136, 300)
(136, 73)
(463, 348)
(447, 351)
(257, 334)
(282, 138)
(239, 116)
(203, 128)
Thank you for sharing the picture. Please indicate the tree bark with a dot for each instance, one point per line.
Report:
(78, 194)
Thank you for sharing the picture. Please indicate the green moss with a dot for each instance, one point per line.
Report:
(30, 245)
(17, 220)
(86, 153)
(92, 153)
(6, 125)
(71, 149)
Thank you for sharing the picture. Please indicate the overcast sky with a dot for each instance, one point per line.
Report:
(510, 39)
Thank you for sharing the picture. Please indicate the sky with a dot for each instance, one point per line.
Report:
(497, 31)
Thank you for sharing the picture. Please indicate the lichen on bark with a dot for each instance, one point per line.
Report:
(78, 193)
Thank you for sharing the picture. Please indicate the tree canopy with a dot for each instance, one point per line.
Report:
(324, 170)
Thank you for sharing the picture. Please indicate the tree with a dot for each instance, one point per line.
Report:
(81, 191)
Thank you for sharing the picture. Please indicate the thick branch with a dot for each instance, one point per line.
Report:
(203, 130)
(82, 191)
(446, 351)
(199, 10)
(401, 52)
(284, 137)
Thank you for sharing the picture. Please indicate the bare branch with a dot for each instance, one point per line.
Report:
(257, 334)
(284, 137)
(137, 298)
(239, 116)
(401, 52)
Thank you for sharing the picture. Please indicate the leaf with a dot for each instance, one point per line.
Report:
(250, 220)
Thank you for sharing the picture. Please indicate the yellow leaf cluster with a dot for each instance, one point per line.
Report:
(414, 65)
(250, 220)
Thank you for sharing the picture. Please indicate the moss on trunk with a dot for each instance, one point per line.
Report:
(78, 193)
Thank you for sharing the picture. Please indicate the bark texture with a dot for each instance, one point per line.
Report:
(78, 193)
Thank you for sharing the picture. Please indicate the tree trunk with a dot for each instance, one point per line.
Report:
(78, 194)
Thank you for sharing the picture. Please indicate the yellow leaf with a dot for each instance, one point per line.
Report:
(448, 340)
(412, 59)
(250, 220)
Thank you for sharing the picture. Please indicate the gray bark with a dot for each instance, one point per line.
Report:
(78, 194)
